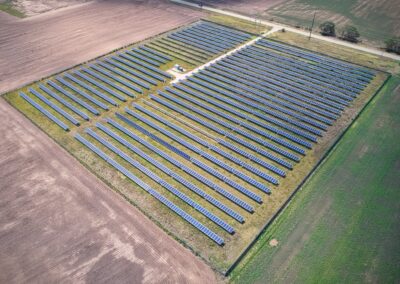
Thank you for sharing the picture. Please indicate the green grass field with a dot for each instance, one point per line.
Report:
(7, 6)
(376, 20)
(343, 225)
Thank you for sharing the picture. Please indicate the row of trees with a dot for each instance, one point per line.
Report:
(350, 33)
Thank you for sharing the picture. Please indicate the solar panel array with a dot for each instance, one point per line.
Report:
(213, 146)
(199, 42)
(72, 97)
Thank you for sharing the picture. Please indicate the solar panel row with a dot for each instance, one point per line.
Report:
(245, 116)
(236, 104)
(212, 147)
(186, 169)
(63, 102)
(154, 193)
(159, 180)
(73, 98)
(171, 173)
(224, 133)
(304, 66)
(82, 93)
(242, 122)
(44, 111)
(55, 107)
(232, 127)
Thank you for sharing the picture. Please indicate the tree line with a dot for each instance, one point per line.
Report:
(350, 33)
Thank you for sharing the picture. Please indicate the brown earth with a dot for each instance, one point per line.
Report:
(38, 46)
(59, 223)
(34, 7)
(248, 7)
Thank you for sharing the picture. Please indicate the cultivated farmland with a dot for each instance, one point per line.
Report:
(213, 157)
(376, 20)
(30, 48)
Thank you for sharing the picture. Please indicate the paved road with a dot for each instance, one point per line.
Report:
(298, 31)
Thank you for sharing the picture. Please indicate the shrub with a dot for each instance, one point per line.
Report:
(393, 45)
(350, 33)
(327, 28)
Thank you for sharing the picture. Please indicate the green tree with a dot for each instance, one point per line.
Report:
(393, 45)
(350, 33)
(327, 28)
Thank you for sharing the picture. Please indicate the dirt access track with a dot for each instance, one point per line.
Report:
(39, 46)
(59, 223)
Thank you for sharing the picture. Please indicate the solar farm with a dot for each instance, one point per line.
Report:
(212, 156)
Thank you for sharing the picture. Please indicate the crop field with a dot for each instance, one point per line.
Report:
(375, 20)
(212, 157)
(343, 225)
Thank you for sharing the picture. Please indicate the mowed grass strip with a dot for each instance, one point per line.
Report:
(343, 224)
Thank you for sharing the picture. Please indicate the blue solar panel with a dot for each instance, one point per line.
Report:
(226, 30)
(233, 137)
(162, 182)
(244, 108)
(261, 97)
(63, 102)
(44, 111)
(151, 56)
(91, 89)
(162, 55)
(196, 44)
(177, 52)
(321, 60)
(136, 54)
(74, 98)
(268, 78)
(310, 68)
(111, 83)
(204, 180)
(214, 35)
(232, 127)
(297, 70)
(320, 103)
(154, 193)
(171, 173)
(130, 71)
(65, 114)
(198, 151)
(122, 74)
(154, 137)
(101, 86)
(82, 93)
(154, 69)
(246, 125)
(212, 147)
(139, 68)
(259, 106)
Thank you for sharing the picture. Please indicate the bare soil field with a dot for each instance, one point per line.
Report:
(31, 8)
(249, 7)
(59, 223)
(38, 46)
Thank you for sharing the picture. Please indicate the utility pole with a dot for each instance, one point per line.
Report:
(312, 25)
